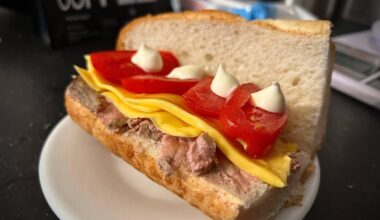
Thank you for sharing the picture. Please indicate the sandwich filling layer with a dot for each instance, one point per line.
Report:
(197, 155)
(169, 114)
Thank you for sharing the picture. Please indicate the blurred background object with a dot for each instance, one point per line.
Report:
(363, 12)
(64, 22)
(252, 10)
(69, 21)
(357, 65)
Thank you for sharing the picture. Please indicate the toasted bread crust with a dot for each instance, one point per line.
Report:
(213, 201)
(289, 26)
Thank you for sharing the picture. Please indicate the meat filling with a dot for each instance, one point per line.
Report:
(230, 176)
(196, 155)
(172, 154)
(201, 154)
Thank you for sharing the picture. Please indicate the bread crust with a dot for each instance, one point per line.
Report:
(323, 122)
(296, 27)
(213, 201)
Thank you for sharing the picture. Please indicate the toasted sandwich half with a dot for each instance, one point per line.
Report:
(198, 168)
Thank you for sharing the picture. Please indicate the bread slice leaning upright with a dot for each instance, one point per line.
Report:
(298, 54)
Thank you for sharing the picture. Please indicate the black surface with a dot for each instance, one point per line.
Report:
(33, 78)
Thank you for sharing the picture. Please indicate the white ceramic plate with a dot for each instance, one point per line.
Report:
(82, 180)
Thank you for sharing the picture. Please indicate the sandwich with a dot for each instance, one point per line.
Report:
(225, 113)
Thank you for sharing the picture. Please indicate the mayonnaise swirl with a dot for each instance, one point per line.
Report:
(270, 99)
(223, 83)
(187, 72)
(148, 59)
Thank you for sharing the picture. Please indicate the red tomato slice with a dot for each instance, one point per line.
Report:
(203, 101)
(170, 62)
(257, 128)
(116, 65)
(157, 84)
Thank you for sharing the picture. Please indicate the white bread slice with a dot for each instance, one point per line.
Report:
(298, 54)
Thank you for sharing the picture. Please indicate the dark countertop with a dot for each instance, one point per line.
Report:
(33, 78)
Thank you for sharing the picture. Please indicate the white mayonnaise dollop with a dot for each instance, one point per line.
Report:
(148, 59)
(187, 72)
(223, 83)
(270, 99)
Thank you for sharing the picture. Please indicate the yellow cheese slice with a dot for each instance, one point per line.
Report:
(167, 111)
(164, 121)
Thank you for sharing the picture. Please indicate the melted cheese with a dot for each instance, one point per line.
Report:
(170, 115)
